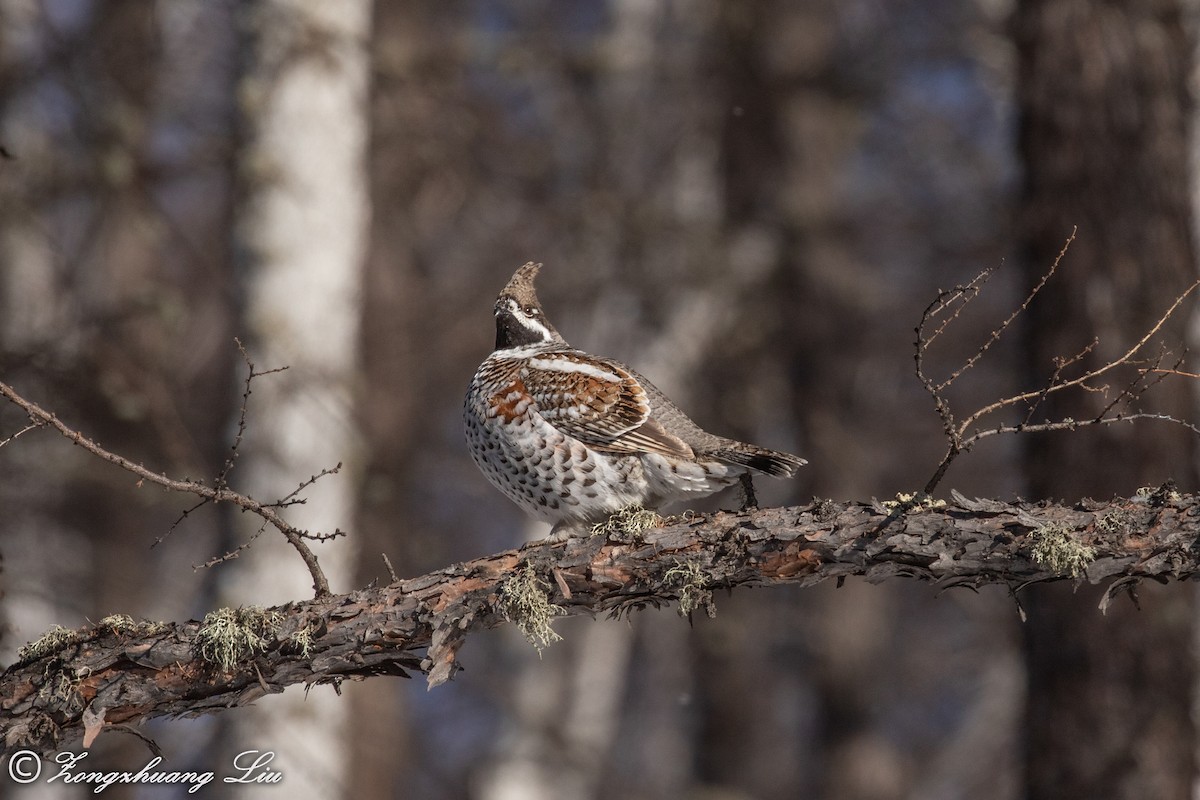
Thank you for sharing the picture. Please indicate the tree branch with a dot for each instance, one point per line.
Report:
(123, 672)
(221, 493)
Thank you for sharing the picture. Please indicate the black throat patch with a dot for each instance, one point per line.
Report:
(510, 332)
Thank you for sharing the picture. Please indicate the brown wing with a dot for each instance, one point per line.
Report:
(598, 402)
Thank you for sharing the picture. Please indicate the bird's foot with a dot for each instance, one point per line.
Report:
(561, 531)
(749, 499)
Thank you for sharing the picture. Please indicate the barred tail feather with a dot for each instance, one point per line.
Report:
(759, 459)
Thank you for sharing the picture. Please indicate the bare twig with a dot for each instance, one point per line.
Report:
(391, 571)
(251, 374)
(1060, 364)
(291, 499)
(222, 481)
(187, 512)
(229, 555)
(959, 297)
(30, 427)
(1087, 377)
(1173, 371)
(961, 435)
(996, 334)
(1068, 424)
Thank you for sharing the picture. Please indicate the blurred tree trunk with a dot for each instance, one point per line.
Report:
(414, 67)
(656, 261)
(301, 229)
(779, 122)
(1105, 112)
(794, 121)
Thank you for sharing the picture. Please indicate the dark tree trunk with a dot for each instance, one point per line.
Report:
(1104, 136)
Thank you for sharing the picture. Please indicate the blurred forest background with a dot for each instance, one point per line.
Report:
(751, 201)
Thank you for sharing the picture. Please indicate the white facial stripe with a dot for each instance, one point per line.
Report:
(532, 324)
(566, 365)
(526, 321)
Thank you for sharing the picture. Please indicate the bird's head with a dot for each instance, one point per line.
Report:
(520, 321)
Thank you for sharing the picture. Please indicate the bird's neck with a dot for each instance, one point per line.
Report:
(512, 332)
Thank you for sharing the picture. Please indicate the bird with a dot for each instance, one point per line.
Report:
(574, 438)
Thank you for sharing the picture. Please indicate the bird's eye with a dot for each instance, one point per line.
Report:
(531, 311)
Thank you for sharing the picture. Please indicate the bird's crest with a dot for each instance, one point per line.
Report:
(520, 285)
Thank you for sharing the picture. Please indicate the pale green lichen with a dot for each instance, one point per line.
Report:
(1057, 549)
(61, 687)
(690, 583)
(913, 501)
(49, 642)
(229, 635)
(118, 623)
(631, 521)
(524, 600)
(123, 623)
(1159, 494)
(1116, 521)
(302, 639)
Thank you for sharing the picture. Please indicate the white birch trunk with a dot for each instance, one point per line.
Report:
(304, 98)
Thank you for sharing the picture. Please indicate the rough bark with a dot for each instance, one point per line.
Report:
(119, 673)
